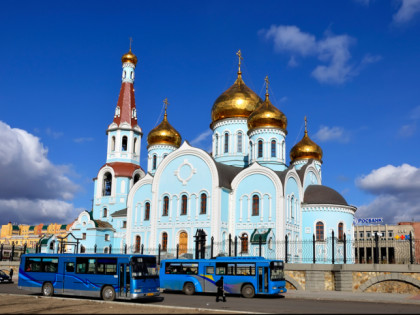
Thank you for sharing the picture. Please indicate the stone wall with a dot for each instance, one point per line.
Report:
(354, 278)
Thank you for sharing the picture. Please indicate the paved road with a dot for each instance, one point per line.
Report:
(24, 302)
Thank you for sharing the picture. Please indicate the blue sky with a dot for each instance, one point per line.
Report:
(351, 66)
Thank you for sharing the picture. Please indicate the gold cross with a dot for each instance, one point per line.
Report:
(239, 54)
(165, 101)
(131, 40)
(306, 122)
(266, 84)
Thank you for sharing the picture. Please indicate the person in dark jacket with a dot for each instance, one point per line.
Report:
(11, 274)
(220, 291)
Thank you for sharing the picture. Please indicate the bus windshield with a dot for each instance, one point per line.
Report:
(144, 267)
(277, 271)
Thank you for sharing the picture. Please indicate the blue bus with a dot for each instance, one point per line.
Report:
(247, 276)
(105, 276)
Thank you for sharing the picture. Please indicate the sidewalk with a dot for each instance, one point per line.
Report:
(354, 296)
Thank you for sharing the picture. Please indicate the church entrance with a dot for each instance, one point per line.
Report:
(183, 242)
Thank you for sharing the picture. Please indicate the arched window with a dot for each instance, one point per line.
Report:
(255, 205)
(105, 213)
(319, 231)
(132, 75)
(135, 145)
(203, 208)
(165, 206)
(113, 143)
(250, 150)
(240, 142)
(260, 149)
(164, 156)
(124, 143)
(273, 148)
(124, 74)
(147, 211)
(244, 243)
(106, 250)
(107, 184)
(226, 142)
(184, 205)
(340, 231)
(137, 246)
(164, 241)
(82, 249)
(154, 162)
(136, 178)
(216, 145)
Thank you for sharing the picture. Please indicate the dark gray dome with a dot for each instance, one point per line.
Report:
(319, 194)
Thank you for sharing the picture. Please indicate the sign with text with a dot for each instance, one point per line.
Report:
(368, 220)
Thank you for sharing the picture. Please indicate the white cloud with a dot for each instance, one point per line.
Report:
(28, 175)
(398, 193)
(407, 11)
(83, 139)
(333, 50)
(325, 134)
(408, 130)
(204, 136)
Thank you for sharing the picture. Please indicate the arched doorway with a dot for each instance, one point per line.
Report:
(137, 248)
(183, 242)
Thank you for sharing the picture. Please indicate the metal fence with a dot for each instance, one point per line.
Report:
(332, 250)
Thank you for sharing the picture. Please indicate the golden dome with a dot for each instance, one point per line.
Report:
(306, 149)
(164, 133)
(237, 101)
(129, 57)
(267, 115)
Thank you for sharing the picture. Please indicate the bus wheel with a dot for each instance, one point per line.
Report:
(108, 293)
(248, 291)
(189, 288)
(47, 289)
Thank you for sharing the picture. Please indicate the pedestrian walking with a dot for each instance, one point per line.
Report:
(11, 274)
(220, 290)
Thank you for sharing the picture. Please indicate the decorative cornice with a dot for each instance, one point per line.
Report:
(229, 121)
(266, 130)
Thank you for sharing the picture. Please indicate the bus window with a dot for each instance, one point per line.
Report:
(85, 265)
(144, 267)
(172, 268)
(189, 269)
(50, 264)
(70, 267)
(244, 269)
(225, 269)
(209, 270)
(106, 266)
(33, 264)
(277, 270)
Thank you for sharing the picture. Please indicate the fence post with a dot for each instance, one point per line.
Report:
(345, 248)
(24, 248)
(196, 246)
(286, 238)
(376, 254)
(411, 249)
(313, 247)
(1, 252)
(159, 255)
(260, 244)
(12, 253)
(230, 245)
(177, 251)
(95, 248)
(125, 248)
(110, 249)
(236, 246)
(332, 248)
(142, 246)
(211, 247)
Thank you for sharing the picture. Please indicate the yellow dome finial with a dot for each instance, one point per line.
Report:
(129, 57)
(306, 149)
(165, 101)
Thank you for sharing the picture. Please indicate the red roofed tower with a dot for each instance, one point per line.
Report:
(122, 168)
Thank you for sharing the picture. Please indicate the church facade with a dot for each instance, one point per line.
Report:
(245, 187)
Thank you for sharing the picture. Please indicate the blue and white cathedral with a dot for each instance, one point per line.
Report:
(245, 187)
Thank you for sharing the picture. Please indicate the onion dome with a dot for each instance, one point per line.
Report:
(306, 149)
(129, 57)
(267, 115)
(237, 101)
(164, 133)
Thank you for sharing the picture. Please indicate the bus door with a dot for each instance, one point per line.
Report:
(209, 273)
(262, 280)
(69, 268)
(124, 280)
